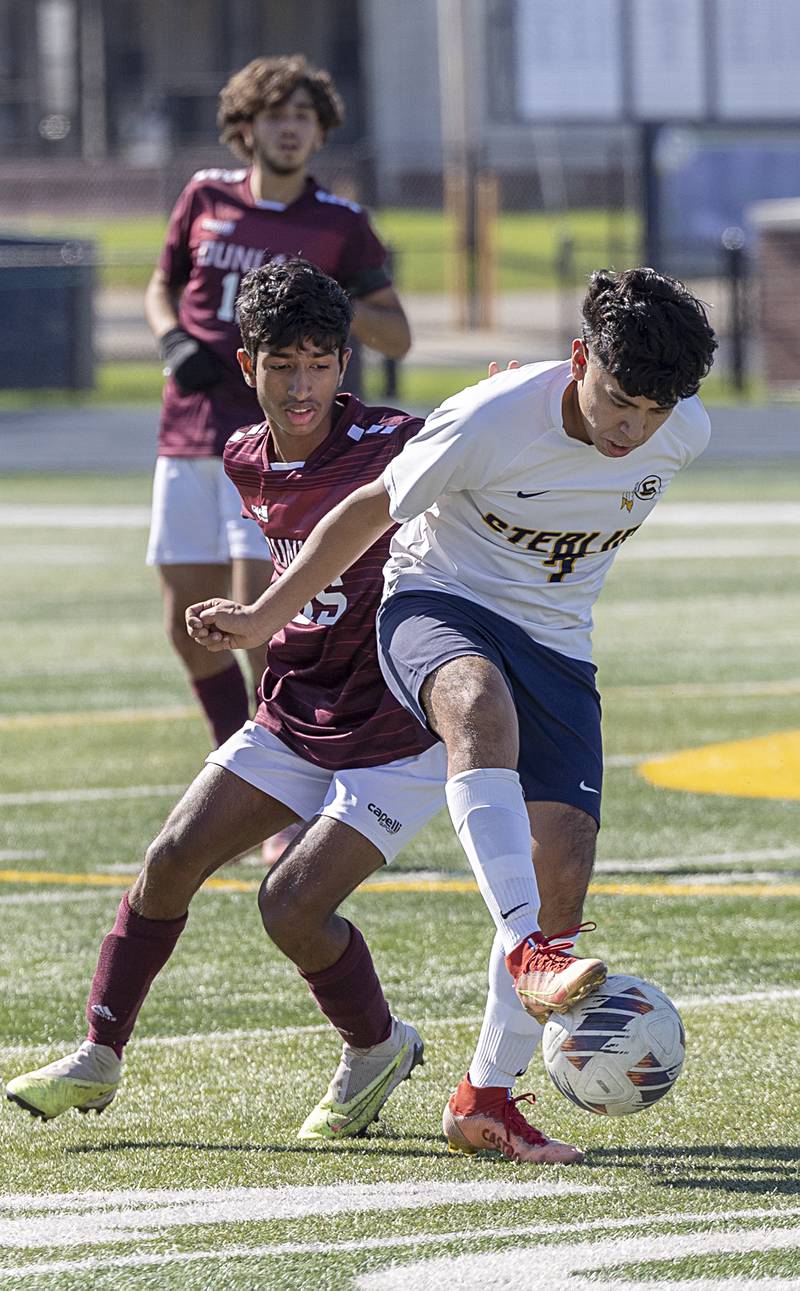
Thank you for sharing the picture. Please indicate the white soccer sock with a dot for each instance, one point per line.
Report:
(488, 813)
(509, 1036)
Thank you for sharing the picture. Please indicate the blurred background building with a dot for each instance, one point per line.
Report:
(641, 129)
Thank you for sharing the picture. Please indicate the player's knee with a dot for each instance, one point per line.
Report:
(290, 919)
(166, 857)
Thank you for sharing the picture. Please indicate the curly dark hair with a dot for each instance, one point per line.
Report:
(285, 303)
(649, 332)
(267, 82)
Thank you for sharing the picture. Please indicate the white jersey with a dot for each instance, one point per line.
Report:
(499, 505)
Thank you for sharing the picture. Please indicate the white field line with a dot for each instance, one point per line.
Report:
(130, 1219)
(12, 855)
(520, 1266)
(708, 859)
(712, 515)
(703, 515)
(711, 549)
(706, 690)
(400, 1242)
(59, 898)
(43, 796)
(69, 516)
(430, 1024)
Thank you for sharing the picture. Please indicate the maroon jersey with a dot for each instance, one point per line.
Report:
(217, 232)
(322, 693)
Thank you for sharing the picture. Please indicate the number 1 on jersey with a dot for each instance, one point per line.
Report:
(230, 290)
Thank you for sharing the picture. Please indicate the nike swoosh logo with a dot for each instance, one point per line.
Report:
(376, 1088)
(540, 494)
(587, 788)
(514, 908)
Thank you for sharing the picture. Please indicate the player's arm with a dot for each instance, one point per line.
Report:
(193, 366)
(332, 547)
(379, 321)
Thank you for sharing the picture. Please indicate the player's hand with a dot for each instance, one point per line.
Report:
(494, 368)
(223, 625)
(193, 366)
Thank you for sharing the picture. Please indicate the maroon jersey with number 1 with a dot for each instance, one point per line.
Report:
(217, 232)
(322, 692)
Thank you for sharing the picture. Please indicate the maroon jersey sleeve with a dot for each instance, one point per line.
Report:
(365, 260)
(322, 692)
(175, 260)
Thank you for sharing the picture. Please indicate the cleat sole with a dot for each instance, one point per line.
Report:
(457, 1150)
(28, 1107)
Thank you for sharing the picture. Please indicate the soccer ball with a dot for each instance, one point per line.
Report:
(617, 1051)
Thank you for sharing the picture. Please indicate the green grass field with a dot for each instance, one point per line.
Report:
(422, 240)
(194, 1177)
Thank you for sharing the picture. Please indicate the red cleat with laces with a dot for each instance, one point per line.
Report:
(549, 980)
(489, 1119)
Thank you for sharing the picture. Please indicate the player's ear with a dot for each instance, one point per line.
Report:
(343, 365)
(578, 360)
(246, 364)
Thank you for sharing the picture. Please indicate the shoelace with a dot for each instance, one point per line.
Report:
(549, 951)
(515, 1123)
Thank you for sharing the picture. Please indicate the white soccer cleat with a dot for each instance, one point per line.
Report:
(86, 1080)
(362, 1083)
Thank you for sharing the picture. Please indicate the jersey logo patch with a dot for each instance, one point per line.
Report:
(645, 490)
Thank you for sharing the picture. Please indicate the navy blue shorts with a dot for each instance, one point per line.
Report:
(561, 750)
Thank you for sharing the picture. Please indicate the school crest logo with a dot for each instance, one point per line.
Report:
(648, 488)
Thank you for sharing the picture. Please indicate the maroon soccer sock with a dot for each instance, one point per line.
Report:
(224, 701)
(351, 997)
(130, 956)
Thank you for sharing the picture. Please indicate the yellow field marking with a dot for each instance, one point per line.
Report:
(767, 766)
(56, 877)
(104, 717)
(677, 690)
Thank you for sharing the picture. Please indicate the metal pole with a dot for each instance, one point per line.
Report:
(733, 250)
(651, 195)
(460, 154)
(94, 133)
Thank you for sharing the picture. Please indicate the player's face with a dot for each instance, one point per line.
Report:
(296, 388)
(285, 136)
(615, 422)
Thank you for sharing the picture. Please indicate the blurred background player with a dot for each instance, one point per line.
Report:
(275, 114)
(512, 502)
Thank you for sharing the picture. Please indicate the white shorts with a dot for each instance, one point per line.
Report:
(388, 804)
(196, 517)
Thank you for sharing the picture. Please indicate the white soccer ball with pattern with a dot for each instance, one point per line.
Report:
(619, 1050)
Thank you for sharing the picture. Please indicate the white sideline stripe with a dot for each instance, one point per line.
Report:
(129, 515)
(714, 514)
(90, 795)
(69, 516)
(12, 855)
(707, 859)
(706, 690)
(715, 549)
(424, 1023)
(520, 1266)
(130, 1219)
(388, 1243)
(60, 898)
